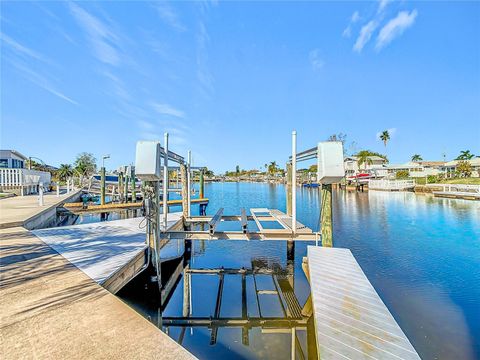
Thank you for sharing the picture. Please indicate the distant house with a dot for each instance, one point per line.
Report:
(14, 177)
(12, 159)
(417, 168)
(450, 167)
(375, 165)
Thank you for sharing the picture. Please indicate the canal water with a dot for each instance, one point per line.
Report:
(422, 255)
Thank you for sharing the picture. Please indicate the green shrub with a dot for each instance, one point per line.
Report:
(431, 179)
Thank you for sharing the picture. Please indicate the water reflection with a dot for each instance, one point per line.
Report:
(422, 255)
(245, 308)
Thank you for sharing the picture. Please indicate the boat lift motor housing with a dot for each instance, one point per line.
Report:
(330, 162)
(148, 161)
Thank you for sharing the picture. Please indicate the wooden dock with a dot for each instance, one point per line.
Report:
(351, 321)
(457, 191)
(111, 253)
(78, 208)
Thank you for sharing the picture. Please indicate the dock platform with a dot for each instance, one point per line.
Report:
(109, 252)
(52, 310)
(351, 321)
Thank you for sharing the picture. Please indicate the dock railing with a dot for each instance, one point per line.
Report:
(24, 180)
(457, 188)
(391, 185)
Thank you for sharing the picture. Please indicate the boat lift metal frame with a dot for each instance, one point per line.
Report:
(294, 316)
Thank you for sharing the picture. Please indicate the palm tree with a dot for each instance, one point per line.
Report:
(363, 157)
(272, 168)
(416, 157)
(64, 172)
(385, 136)
(465, 155)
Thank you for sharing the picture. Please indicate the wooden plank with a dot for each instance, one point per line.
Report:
(351, 321)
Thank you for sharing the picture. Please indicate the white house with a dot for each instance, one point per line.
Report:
(15, 178)
(375, 165)
(12, 159)
(417, 168)
(450, 167)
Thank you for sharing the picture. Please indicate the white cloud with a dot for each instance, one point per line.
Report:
(21, 49)
(169, 16)
(204, 76)
(365, 35)
(166, 109)
(395, 27)
(315, 59)
(41, 81)
(353, 19)
(382, 4)
(102, 38)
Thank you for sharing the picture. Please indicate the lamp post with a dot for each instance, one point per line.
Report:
(102, 184)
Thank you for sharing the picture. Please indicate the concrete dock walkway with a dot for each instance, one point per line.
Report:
(19, 210)
(50, 309)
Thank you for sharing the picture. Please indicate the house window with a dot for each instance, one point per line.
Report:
(3, 163)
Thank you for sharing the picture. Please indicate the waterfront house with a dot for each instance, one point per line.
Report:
(375, 165)
(417, 169)
(450, 168)
(12, 159)
(15, 178)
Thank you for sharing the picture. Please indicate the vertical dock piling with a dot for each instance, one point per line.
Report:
(125, 191)
(102, 186)
(202, 185)
(289, 189)
(326, 216)
(132, 179)
(120, 186)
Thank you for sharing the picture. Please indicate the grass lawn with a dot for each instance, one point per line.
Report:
(469, 181)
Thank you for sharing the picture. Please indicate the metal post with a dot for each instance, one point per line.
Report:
(326, 216)
(68, 186)
(165, 182)
(188, 182)
(202, 185)
(132, 179)
(294, 182)
(102, 186)
(58, 188)
(40, 194)
(183, 174)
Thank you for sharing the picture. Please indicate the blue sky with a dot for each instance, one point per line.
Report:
(231, 80)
